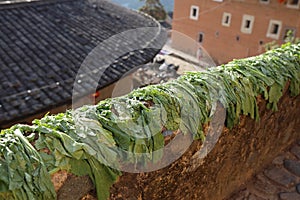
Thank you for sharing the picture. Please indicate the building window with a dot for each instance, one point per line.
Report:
(247, 24)
(264, 1)
(274, 29)
(226, 19)
(293, 4)
(200, 37)
(194, 12)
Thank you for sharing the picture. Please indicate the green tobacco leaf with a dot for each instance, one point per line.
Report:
(87, 141)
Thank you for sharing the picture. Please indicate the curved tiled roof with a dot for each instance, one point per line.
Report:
(44, 43)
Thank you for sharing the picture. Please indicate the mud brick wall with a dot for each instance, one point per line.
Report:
(238, 155)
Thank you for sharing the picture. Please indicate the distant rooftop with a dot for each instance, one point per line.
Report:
(43, 44)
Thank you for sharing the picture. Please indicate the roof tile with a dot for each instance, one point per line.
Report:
(43, 45)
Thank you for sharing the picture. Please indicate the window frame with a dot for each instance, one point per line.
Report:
(192, 12)
(224, 17)
(264, 2)
(246, 18)
(270, 27)
(289, 5)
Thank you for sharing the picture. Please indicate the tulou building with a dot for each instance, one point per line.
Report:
(229, 29)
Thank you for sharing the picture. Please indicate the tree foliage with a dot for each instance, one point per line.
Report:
(154, 8)
(289, 38)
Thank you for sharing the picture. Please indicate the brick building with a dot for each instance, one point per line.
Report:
(229, 29)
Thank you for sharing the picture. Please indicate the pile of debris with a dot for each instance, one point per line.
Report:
(154, 73)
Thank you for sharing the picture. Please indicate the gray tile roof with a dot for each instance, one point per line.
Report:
(44, 43)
